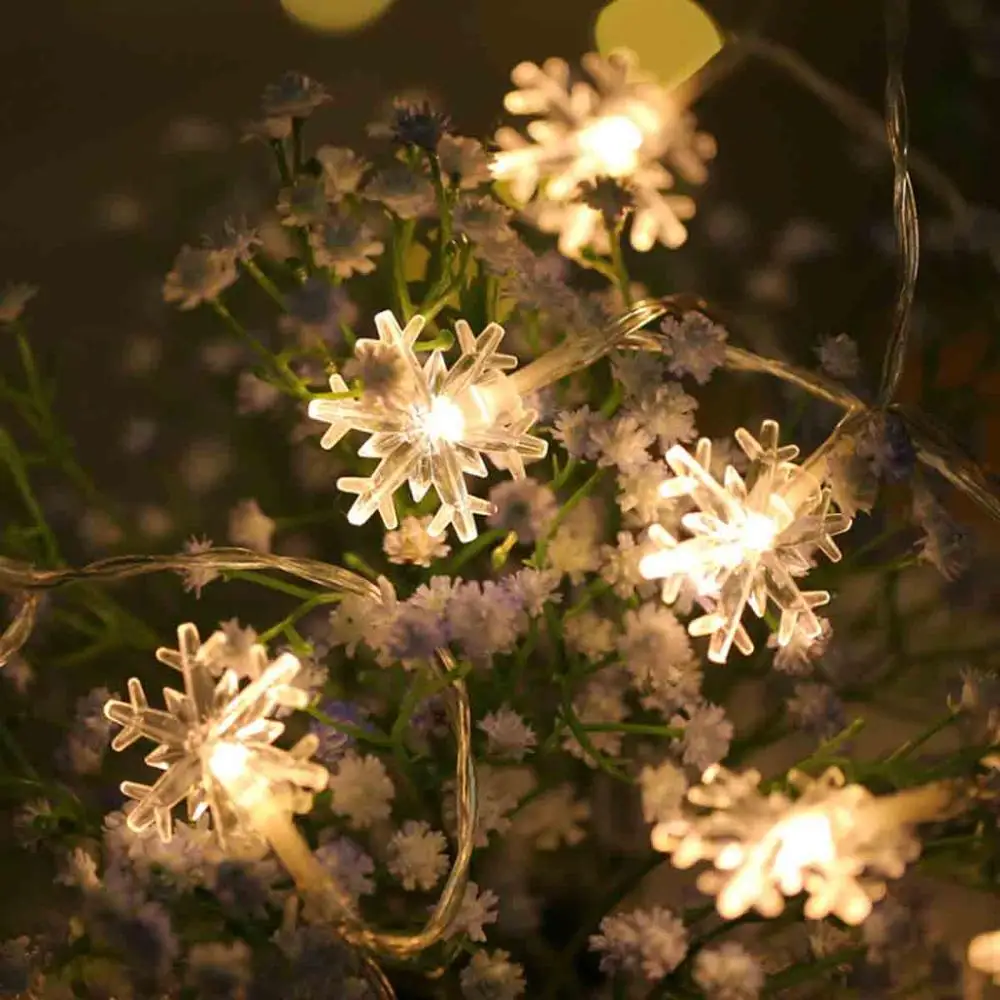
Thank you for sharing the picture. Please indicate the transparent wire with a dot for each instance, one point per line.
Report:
(29, 584)
(904, 204)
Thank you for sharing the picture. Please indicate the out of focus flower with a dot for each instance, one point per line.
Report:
(695, 345)
(413, 124)
(345, 245)
(197, 577)
(490, 975)
(411, 543)
(524, 506)
(838, 356)
(728, 972)
(13, 299)
(403, 192)
(946, 545)
(463, 161)
(361, 789)
(343, 171)
(250, 527)
(418, 855)
(303, 203)
(199, 275)
(508, 734)
(294, 95)
(650, 942)
(478, 907)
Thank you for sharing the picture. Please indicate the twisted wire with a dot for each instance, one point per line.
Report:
(28, 584)
(904, 204)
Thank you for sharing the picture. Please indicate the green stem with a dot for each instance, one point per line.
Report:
(280, 157)
(303, 609)
(10, 455)
(618, 266)
(402, 236)
(468, 552)
(266, 284)
(262, 580)
(538, 559)
(285, 378)
(918, 741)
(361, 734)
(637, 728)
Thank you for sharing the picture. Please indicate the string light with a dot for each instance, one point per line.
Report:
(835, 842)
(212, 731)
(623, 126)
(749, 540)
(432, 425)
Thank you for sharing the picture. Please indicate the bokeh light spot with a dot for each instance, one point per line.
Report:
(672, 38)
(335, 17)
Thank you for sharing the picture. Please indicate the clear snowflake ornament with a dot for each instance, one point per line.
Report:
(831, 842)
(433, 426)
(215, 722)
(748, 540)
(623, 126)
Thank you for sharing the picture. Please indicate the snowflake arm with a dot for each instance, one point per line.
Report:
(433, 427)
(213, 712)
(747, 540)
(835, 842)
(619, 125)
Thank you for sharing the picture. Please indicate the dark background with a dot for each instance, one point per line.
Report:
(96, 196)
(120, 123)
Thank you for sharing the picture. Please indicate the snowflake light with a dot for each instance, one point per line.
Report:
(434, 426)
(835, 842)
(210, 730)
(624, 126)
(748, 540)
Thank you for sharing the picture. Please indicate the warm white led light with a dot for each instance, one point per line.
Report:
(835, 842)
(619, 124)
(215, 737)
(748, 541)
(441, 421)
(435, 427)
(614, 141)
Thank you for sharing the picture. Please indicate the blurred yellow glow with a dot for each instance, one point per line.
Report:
(335, 16)
(672, 38)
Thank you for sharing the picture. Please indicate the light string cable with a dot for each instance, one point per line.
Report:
(27, 585)
(904, 205)
(934, 446)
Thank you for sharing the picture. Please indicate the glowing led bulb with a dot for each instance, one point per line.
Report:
(614, 142)
(805, 841)
(747, 542)
(434, 427)
(442, 421)
(215, 736)
(835, 842)
(623, 125)
(984, 954)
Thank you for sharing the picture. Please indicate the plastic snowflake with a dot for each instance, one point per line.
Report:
(749, 540)
(431, 425)
(831, 842)
(621, 127)
(214, 719)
